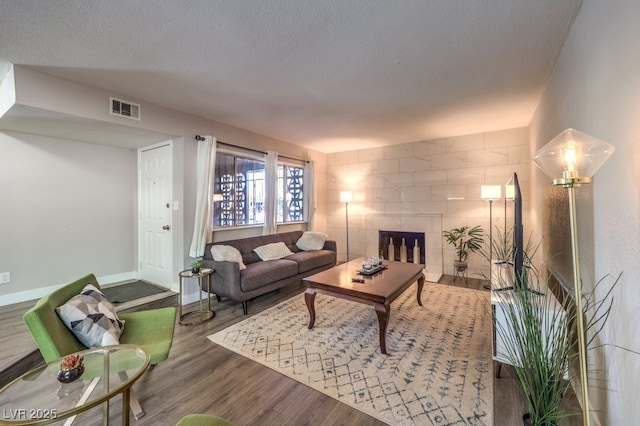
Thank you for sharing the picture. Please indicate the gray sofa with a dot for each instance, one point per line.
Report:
(262, 277)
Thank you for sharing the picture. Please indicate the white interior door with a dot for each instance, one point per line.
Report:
(155, 192)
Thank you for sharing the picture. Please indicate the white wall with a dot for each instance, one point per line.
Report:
(67, 210)
(68, 170)
(419, 177)
(595, 88)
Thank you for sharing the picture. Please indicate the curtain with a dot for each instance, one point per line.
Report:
(310, 194)
(270, 193)
(205, 170)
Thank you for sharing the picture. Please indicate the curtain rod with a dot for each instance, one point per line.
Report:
(201, 138)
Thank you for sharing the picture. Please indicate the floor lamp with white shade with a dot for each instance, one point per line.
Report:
(346, 197)
(490, 193)
(571, 159)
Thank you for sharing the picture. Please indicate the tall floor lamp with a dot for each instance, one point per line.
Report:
(509, 194)
(346, 197)
(576, 157)
(490, 193)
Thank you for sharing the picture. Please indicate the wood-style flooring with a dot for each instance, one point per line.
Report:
(201, 377)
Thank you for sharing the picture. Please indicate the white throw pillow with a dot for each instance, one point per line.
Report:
(223, 253)
(92, 318)
(311, 241)
(273, 251)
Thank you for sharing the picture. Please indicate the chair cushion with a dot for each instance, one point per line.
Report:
(224, 253)
(91, 318)
(273, 251)
(311, 241)
(151, 329)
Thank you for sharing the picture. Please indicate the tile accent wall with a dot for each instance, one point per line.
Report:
(434, 184)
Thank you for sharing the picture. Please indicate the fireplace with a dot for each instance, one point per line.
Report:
(428, 226)
(414, 242)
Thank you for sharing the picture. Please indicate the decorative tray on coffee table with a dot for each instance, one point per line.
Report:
(372, 271)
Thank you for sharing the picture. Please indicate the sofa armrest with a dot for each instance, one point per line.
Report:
(330, 245)
(225, 281)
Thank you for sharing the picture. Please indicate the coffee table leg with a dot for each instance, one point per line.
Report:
(383, 321)
(420, 286)
(309, 298)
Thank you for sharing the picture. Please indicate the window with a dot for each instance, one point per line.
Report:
(290, 193)
(240, 182)
(239, 190)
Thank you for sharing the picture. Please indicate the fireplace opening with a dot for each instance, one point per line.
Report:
(390, 245)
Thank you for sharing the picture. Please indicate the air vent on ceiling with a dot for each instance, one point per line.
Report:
(125, 109)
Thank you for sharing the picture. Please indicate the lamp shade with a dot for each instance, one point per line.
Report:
(572, 154)
(509, 191)
(490, 192)
(346, 196)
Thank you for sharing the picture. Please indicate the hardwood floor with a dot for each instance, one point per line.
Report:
(201, 377)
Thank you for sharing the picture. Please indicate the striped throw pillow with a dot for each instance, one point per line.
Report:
(273, 251)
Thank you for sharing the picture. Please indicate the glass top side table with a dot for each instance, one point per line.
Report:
(201, 315)
(37, 397)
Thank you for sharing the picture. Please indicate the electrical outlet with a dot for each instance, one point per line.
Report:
(5, 277)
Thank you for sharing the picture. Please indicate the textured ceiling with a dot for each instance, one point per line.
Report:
(332, 75)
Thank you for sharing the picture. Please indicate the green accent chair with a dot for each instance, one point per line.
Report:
(152, 329)
(203, 420)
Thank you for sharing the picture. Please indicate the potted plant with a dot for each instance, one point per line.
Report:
(195, 267)
(538, 339)
(71, 368)
(537, 333)
(465, 240)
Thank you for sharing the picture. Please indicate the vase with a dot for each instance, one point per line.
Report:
(403, 251)
(68, 376)
(392, 250)
(416, 252)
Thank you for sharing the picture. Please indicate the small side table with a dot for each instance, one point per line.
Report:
(201, 314)
(37, 398)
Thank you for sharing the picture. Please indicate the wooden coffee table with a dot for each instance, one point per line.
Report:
(378, 290)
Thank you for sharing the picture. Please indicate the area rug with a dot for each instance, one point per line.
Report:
(127, 292)
(438, 370)
(134, 294)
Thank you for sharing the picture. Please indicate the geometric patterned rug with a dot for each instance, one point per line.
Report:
(438, 370)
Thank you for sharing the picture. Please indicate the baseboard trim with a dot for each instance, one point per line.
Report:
(37, 293)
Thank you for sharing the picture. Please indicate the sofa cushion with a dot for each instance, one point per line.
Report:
(260, 274)
(308, 260)
(92, 318)
(311, 241)
(246, 245)
(224, 253)
(273, 251)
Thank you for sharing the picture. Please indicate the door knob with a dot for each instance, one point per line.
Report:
(166, 227)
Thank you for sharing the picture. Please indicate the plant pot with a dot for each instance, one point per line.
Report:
(68, 376)
(195, 270)
(459, 266)
(526, 421)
